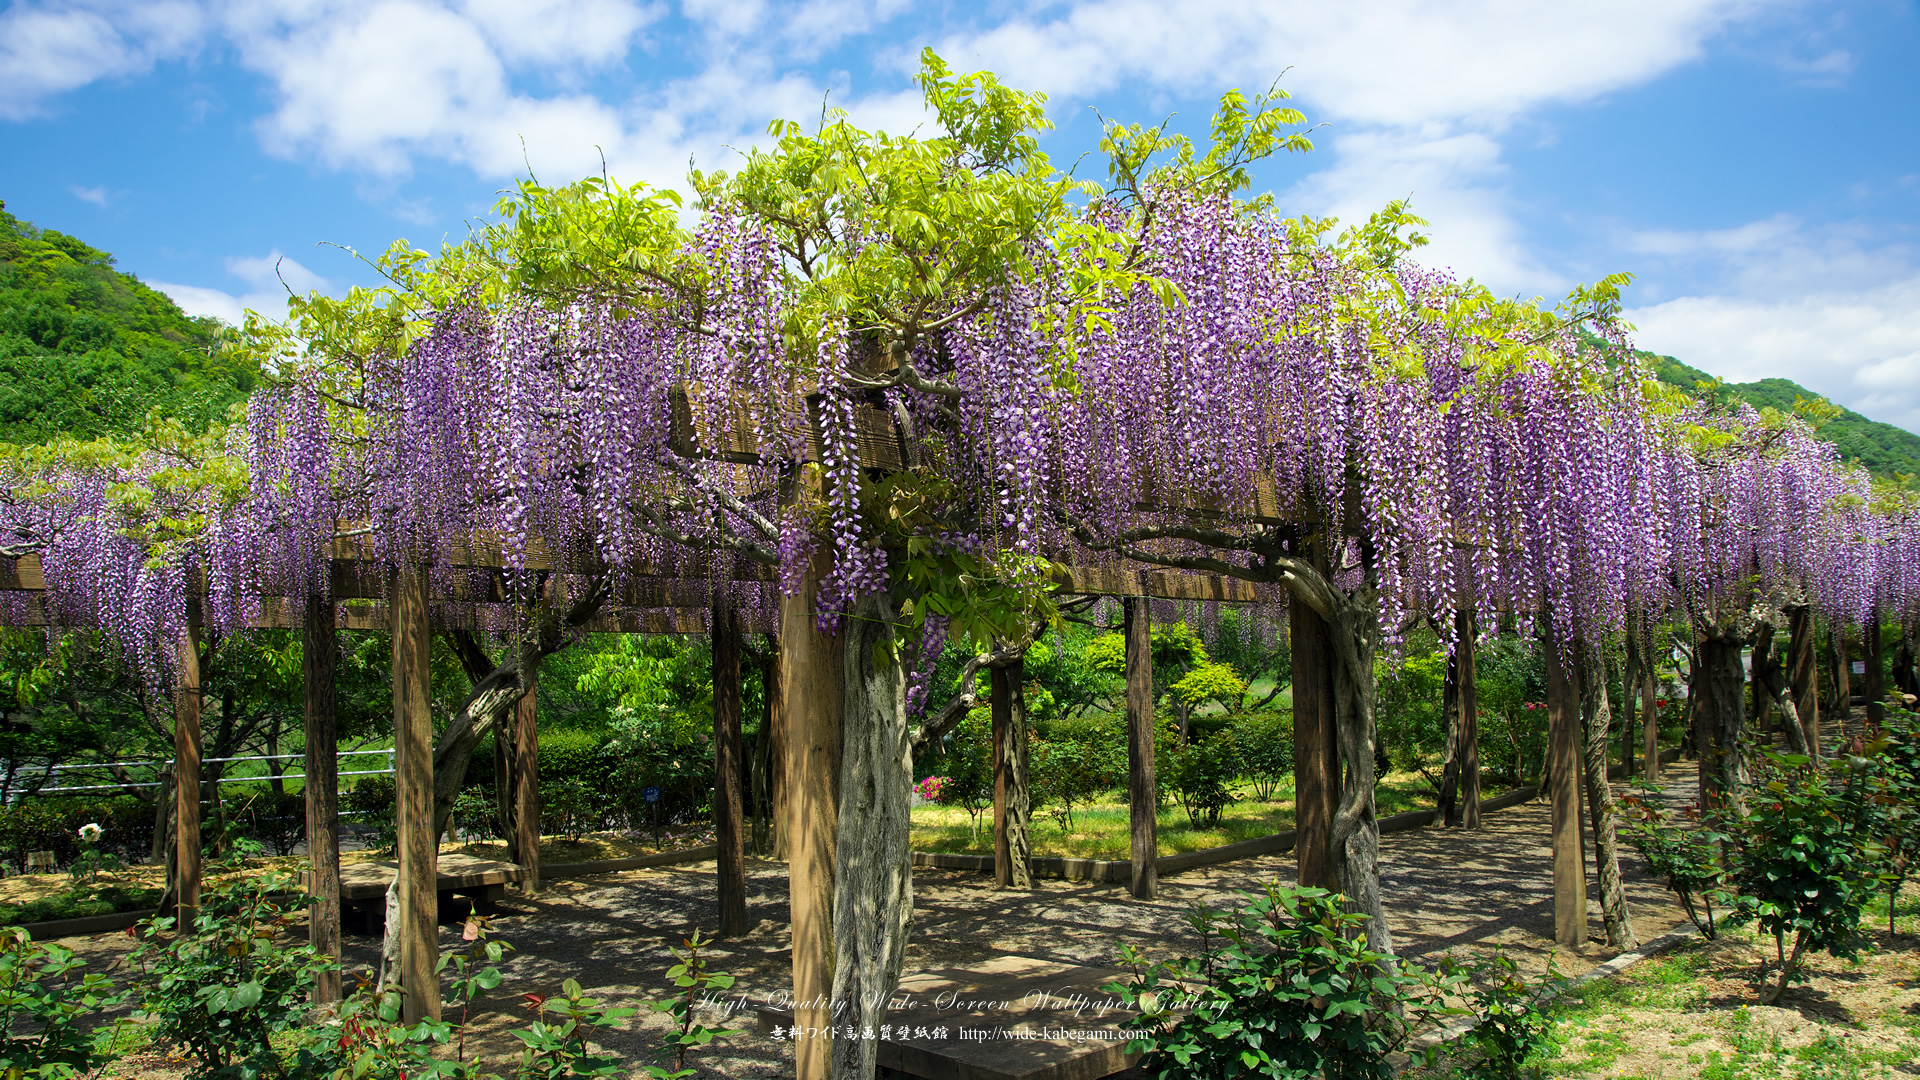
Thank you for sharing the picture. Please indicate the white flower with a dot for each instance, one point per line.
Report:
(91, 832)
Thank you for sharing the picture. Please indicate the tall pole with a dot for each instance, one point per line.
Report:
(1563, 781)
(1873, 685)
(186, 772)
(812, 684)
(322, 790)
(728, 802)
(1143, 796)
(417, 886)
(525, 780)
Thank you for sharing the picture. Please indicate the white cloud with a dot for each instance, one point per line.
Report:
(95, 195)
(267, 280)
(1862, 349)
(50, 48)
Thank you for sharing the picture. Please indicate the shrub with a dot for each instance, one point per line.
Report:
(1688, 856)
(44, 996)
(1263, 742)
(1807, 860)
(968, 783)
(1284, 986)
(1065, 773)
(223, 990)
(54, 825)
(371, 801)
(1201, 776)
(1510, 1024)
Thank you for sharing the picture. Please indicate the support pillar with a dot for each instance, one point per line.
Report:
(1563, 783)
(1873, 685)
(524, 758)
(1316, 747)
(812, 683)
(186, 773)
(1650, 710)
(321, 787)
(728, 788)
(776, 721)
(418, 894)
(1143, 795)
(1803, 675)
(1842, 680)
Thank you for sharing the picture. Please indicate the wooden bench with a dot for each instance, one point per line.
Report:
(482, 882)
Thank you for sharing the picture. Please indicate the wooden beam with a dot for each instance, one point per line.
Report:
(321, 789)
(1143, 797)
(812, 683)
(728, 788)
(1563, 781)
(413, 796)
(186, 773)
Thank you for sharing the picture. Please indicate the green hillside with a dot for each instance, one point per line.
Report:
(1884, 449)
(87, 350)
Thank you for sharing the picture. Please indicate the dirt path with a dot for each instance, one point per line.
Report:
(1444, 889)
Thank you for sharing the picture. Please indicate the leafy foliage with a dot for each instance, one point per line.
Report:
(1263, 744)
(1201, 775)
(689, 973)
(1284, 986)
(45, 994)
(227, 987)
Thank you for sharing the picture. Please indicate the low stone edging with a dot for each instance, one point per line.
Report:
(568, 871)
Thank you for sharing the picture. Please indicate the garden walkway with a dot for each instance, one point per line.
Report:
(1443, 889)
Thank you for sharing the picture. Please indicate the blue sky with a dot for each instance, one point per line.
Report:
(1755, 164)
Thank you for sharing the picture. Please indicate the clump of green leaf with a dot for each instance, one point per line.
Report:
(689, 973)
(1284, 987)
(225, 988)
(44, 996)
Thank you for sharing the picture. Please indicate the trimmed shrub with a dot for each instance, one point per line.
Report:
(54, 825)
(1263, 742)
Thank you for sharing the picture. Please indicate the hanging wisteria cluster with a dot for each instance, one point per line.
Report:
(1292, 387)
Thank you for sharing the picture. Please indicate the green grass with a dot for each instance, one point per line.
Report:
(1101, 831)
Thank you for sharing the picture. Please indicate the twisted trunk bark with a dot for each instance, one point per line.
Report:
(1720, 717)
(1012, 800)
(1355, 839)
(873, 868)
(1595, 713)
(1770, 678)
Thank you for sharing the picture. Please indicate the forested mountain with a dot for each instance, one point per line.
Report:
(86, 350)
(1882, 448)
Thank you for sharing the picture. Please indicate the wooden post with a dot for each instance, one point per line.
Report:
(812, 680)
(776, 721)
(1316, 746)
(1842, 680)
(503, 788)
(731, 862)
(1563, 782)
(186, 773)
(322, 790)
(525, 758)
(1650, 714)
(1143, 796)
(1466, 650)
(417, 887)
(1873, 685)
(1803, 675)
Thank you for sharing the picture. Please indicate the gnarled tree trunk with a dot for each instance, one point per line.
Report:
(873, 868)
(1720, 716)
(1594, 716)
(1770, 678)
(1355, 839)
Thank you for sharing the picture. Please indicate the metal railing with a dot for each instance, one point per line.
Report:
(51, 771)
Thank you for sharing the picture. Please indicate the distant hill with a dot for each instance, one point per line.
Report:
(87, 350)
(1884, 449)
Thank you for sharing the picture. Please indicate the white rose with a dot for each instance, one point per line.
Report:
(91, 832)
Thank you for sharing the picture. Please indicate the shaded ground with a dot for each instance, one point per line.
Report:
(1444, 889)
